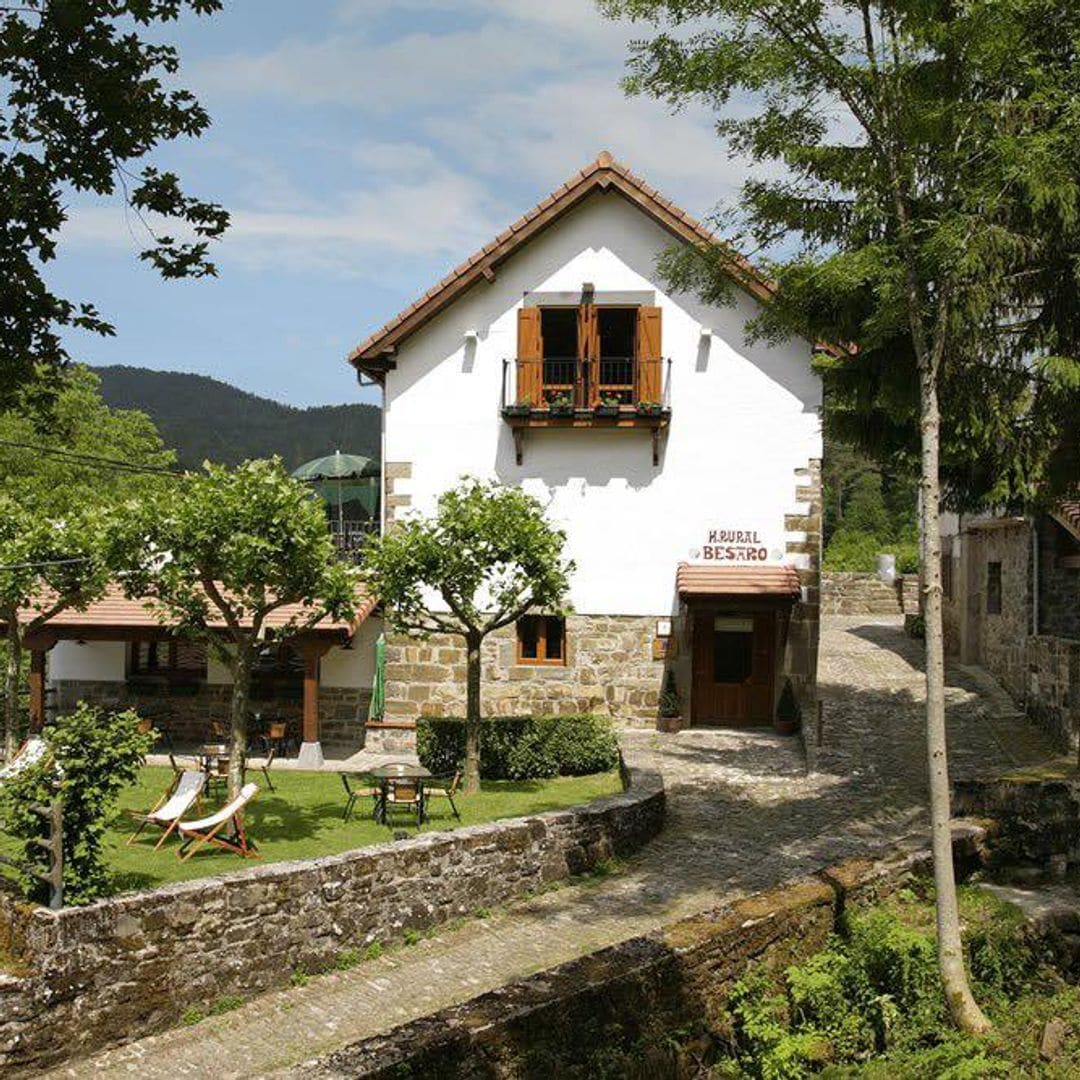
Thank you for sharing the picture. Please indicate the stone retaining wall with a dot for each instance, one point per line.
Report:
(846, 593)
(123, 968)
(594, 1015)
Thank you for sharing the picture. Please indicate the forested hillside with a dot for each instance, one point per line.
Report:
(203, 418)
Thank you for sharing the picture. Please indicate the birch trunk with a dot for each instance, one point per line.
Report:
(963, 1008)
(472, 714)
(241, 673)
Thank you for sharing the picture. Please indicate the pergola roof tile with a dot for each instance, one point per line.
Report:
(114, 610)
(694, 580)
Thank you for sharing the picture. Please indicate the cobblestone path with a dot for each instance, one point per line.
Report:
(744, 812)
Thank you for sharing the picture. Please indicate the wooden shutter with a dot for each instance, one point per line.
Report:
(648, 354)
(530, 357)
(588, 344)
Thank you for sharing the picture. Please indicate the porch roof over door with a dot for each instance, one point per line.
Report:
(695, 581)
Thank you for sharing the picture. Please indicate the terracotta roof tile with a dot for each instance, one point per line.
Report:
(1068, 513)
(584, 180)
(694, 580)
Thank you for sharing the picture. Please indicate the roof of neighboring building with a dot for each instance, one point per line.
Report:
(694, 580)
(603, 174)
(116, 612)
(1068, 513)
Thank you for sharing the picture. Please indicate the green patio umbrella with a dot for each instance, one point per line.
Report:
(343, 478)
(378, 689)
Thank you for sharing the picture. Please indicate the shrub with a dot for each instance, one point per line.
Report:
(93, 756)
(856, 551)
(522, 747)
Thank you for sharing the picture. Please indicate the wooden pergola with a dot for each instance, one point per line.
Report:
(114, 617)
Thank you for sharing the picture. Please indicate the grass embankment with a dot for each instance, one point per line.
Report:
(302, 819)
(870, 1006)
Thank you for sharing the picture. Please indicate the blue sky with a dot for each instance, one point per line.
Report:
(363, 148)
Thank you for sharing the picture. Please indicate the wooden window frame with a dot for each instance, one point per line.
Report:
(541, 659)
(163, 650)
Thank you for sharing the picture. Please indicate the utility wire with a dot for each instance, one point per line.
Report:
(45, 562)
(77, 457)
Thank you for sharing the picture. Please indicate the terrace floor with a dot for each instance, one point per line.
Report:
(744, 812)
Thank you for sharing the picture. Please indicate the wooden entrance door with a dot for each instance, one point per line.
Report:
(733, 666)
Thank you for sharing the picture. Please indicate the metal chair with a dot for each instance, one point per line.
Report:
(359, 786)
(404, 793)
(444, 787)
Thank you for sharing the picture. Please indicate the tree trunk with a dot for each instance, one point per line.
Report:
(241, 673)
(11, 687)
(965, 1011)
(472, 714)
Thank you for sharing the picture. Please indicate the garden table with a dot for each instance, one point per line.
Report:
(385, 775)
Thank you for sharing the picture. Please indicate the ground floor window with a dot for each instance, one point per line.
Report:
(993, 588)
(541, 639)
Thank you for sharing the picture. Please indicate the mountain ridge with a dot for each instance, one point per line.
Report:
(203, 418)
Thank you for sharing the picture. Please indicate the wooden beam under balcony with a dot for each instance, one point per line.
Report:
(627, 418)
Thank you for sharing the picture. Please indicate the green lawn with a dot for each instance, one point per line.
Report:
(302, 819)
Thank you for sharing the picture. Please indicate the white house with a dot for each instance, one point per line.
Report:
(682, 460)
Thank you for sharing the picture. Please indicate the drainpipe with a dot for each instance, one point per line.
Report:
(1035, 576)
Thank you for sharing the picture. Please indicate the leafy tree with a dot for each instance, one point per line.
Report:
(227, 548)
(489, 555)
(92, 756)
(928, 168)
(47, 565)
(77, 424)
(85, 98)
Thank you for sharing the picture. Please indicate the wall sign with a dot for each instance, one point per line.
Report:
(732, 545)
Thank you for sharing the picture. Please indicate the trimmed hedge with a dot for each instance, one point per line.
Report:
(521, 747)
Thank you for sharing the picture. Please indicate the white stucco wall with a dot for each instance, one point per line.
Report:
(353, 667)
(744, 418)
(96, 661)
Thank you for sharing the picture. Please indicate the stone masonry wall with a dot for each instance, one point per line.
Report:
(122, 968)
(1002, 637)
(1059, 586)
(622, 1006)
(1053, 688)
(188, 712)
(803, 547)
(846, 593)
(609, 670)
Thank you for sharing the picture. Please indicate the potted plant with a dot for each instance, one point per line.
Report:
(561, 405)
(519, 408)
(609, 406)
(670, 707)
(788, 712)
(650, 408)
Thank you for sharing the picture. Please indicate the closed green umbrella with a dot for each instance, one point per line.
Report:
(378, 689)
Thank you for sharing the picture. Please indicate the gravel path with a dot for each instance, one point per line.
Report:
(744, 812)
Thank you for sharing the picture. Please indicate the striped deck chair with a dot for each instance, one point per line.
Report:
(207, 830)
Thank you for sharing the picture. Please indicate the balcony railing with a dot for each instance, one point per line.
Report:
(349, 536)
(569, 383)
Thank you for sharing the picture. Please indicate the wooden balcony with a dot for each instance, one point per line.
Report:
(613, 392)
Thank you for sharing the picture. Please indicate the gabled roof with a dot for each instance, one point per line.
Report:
(605, 174)
(1068, 513)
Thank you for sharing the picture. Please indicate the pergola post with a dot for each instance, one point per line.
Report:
(38, 646)
(312, 649)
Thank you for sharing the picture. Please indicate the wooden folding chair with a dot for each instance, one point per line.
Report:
(207, 830)
(186, 788)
